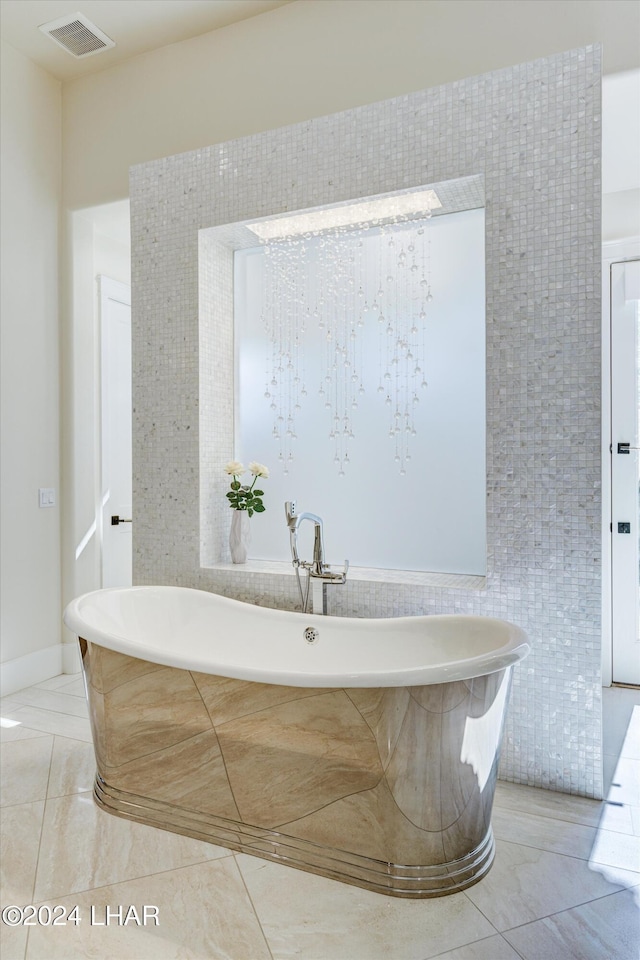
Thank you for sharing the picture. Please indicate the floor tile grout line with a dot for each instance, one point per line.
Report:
(22, 740)
(49, 733)
(73, 678)
(46, 789)
(40, 733)
(570, 856)
(444, 953)
(56, 691)
(574, 856)
(253, 906)
(62, 692)
(144, 876)
(559, 913)
(35, 872)
(69, 678)
(42, 691)
(575, 823)
(74, 793)
(508, 810)
(22, 803)
(19, 705)
(480, 911)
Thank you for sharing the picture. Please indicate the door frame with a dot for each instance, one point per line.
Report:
(108, 289)
(613, 252)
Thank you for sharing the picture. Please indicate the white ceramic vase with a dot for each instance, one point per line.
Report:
(240, 536)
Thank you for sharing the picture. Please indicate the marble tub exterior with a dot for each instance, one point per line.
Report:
(386, 788)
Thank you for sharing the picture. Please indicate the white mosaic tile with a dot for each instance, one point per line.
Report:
(533, 132)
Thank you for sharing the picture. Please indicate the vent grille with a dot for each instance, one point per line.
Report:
(77, 35)
(77, 39)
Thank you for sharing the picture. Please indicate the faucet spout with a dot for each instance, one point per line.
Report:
(318, 552)
(316, 568)
(293, 522)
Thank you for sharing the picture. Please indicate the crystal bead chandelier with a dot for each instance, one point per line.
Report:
(342, 277)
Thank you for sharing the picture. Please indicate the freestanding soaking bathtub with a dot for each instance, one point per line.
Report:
(363, 750)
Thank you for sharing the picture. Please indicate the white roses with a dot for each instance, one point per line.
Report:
(245, 496)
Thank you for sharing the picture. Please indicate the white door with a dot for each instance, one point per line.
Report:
(625, 476)
(115, 321)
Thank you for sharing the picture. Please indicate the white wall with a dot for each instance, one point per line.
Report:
(309, 59)
(620, 156)
(31, 173)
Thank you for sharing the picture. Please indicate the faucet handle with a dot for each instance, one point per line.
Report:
(331, 577)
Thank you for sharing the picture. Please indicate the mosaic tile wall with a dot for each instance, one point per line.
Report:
(534, 132)
(216, 394)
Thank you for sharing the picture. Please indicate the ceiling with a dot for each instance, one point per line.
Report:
(139, 26)
(136, 26)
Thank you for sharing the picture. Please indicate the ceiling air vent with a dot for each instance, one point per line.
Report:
(77, 35)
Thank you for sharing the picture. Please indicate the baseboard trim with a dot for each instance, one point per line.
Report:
(32, 668)
(71, 658)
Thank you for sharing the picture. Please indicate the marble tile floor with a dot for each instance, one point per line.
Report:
(565, 884)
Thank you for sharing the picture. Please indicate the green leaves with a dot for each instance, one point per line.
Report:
(245, 497)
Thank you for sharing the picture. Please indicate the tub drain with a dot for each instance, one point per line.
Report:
(311, 635)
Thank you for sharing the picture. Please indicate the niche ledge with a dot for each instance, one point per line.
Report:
(453, 581)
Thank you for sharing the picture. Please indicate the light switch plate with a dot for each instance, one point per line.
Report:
(47, 497)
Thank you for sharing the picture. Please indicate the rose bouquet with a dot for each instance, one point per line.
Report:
(244, 496)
